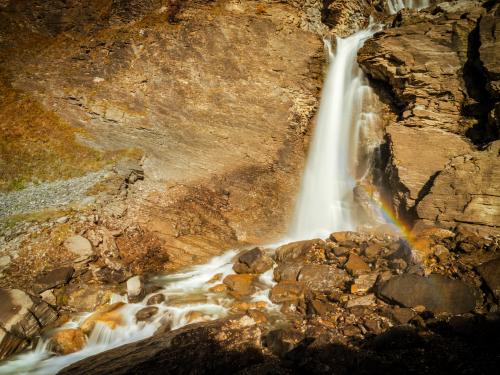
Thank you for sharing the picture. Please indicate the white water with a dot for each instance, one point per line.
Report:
(394, 6)
(326, 202)
(325, 205)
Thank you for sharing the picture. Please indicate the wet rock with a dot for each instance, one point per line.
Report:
(312, 251)
(107, 314)
(437, 293)
(68, 341)
(322, 277)
(253, 261)
(242, 285)
(281, 341)
(21, 318)
(135, 289)
(490, 272)
(258, 316)
(198, 348)
(219, 288)
(373, 250)
(53, 279)
(356, 265)
(146, 313)
(79, 246)
(321, 308)
(156, 299)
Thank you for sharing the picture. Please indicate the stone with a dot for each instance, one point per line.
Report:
(194, 316)
(373, 250)
(287, 271)
(356, 265)
(156, 299)
(490, 272)
(322, 277)
(68, 341)
(4, 261)
(364, 283)
(253, 261)
(240, 284)
(402, 315)
(107, 314)
(49, 297)
(281, 341)
(309, 250)
(135, 289)
(437, 293)
(215, 278)
(287, 291)
(368, 300)
(146, 313)
(21, 318)
(351, 330)
(53, 278)
(258, 316)
(79, 246)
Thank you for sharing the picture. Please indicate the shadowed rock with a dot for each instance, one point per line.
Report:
(437, 293)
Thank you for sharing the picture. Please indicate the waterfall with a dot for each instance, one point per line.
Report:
(326, 202)
(394, 6)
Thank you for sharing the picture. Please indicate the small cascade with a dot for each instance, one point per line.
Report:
(326, 202)
(394, 6)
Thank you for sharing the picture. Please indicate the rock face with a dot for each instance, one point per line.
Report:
(132, 84)
(466, 191)
(436, 292)
(21, 319)
(439, 69)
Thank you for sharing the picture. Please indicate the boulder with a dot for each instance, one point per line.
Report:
(68, 341)
(312, 251)
(253, 261)
(437, 293)
(156, 299)
(490, 272)
(242, 285)
(368, 300)
(79, 246)
(356, 265)
(364, 283)
(146, 313)
(287, 291)
(107, 314)
(53, 278)
(322, 277)
(222, 346)
(281, 341)
(135, 289)
(287, 271)
(21, 319)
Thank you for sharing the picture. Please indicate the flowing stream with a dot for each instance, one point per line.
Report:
(325, 205)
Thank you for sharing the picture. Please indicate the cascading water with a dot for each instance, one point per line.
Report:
(394, 6)
(325, 204)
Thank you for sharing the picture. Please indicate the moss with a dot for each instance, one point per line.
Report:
(37, 145)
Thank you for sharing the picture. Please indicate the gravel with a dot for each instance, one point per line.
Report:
(49, 195)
